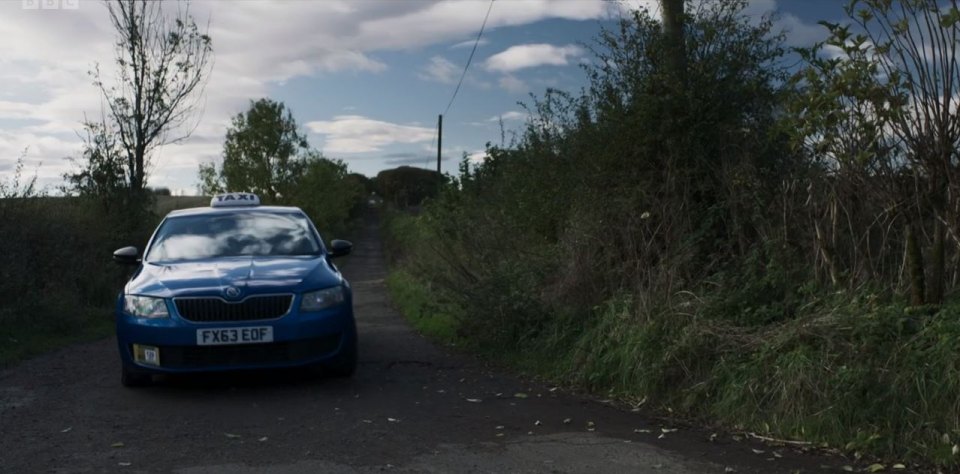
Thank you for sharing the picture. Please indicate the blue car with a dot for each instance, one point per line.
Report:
(234, 286)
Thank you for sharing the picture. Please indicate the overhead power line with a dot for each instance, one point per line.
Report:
(469, 59)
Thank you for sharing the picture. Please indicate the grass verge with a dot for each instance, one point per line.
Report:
(417, 303)
(23, 339)
(861, 373)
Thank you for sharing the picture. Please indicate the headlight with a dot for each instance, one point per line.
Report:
(145, 306)
(323, 299)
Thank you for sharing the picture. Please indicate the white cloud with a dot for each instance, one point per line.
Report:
(478, 156)
(470, 43)
(511, 115)
(513, 84)
(441, 70)
(46, 55)
(525, 56)
(429, 22)
(359, 134)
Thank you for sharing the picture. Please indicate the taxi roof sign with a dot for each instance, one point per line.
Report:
(234, 200)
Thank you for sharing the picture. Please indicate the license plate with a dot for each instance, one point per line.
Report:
(244, 335)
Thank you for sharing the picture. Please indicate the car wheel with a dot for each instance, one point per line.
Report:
(131, 378)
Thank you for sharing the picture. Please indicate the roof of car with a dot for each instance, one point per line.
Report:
(196, 211)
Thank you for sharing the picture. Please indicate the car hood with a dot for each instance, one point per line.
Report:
(251, 275)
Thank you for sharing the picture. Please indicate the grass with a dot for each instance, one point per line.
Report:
(22, 341)
(865, 374)
(417, 303)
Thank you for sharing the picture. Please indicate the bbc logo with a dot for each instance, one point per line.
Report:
(50, 4)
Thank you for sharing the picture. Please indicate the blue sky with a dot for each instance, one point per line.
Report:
(365, 79)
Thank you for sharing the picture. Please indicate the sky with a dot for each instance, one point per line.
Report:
(364, 79)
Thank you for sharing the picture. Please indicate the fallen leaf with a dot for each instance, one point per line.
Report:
(474, 400)
(537, 423)
(66, 430)
(554, 389)
(847, 468)
(124, 464)
(529, 432)
(520, 395)
(590, 424)
(713, 437)
(899, 466)
(876, 467)
(499, 427)
(232, 436)
(758, 451)
(668, 430)
(499, 435)
(262, 439)
(729, 469)
(661, 436)
(657, 466)
(567, 421)
(641, 430)
(367, 421)
(777, 455)
(118, 444)
(393, 420)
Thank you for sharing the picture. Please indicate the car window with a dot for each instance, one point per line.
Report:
(246, 233)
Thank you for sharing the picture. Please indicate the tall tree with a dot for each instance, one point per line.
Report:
(162, 63)
(262, 152)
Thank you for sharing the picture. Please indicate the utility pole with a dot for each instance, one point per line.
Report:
(439, 139)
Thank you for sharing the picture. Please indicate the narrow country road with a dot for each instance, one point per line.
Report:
(411, 407)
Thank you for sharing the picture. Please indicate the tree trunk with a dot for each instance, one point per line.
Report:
(915, 267)
(938, 268)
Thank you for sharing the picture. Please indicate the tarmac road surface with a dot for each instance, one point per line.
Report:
(411, 407)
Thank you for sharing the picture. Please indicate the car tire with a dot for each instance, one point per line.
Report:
(132, 378)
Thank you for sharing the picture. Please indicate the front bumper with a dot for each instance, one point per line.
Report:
(299, 339)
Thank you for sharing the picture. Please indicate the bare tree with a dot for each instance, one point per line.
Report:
(915, 43)
(163, 62)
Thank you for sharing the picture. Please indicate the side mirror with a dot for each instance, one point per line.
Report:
(127, 256)
(339, 248)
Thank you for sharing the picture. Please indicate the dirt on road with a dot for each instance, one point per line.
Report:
(411, 407)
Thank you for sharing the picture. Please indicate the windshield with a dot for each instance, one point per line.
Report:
(247, 233)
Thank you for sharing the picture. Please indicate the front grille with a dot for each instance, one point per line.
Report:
(247, 354)
(250, 309)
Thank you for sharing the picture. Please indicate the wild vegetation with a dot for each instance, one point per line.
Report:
(722, 232)
(57, 280)
(265, 153)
